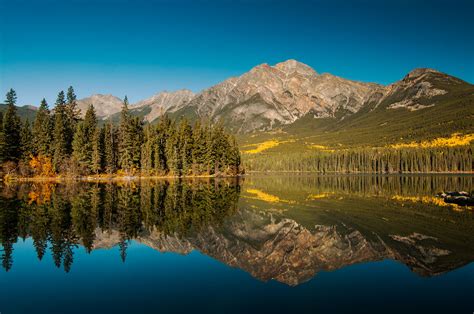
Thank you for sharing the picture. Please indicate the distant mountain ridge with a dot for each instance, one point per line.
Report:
(293, 99)
(267, 97)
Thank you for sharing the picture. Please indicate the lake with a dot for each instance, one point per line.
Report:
(259, 244)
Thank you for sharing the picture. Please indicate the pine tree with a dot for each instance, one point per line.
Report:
(217, 148)
(199, 150)
(163, 129)
(26, 140)
(186, 146)
(84, 139)
(131, 133)
(72, 116)
(233, 156)
(97, 151)
(173, 153)
(137, 140)
(42, 131)
(110, 148)
(10, 141)
(60, 144)
(125, 144)
(148, 150)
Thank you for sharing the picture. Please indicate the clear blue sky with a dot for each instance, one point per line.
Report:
(140, 47)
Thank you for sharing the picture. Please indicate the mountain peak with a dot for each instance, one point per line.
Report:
(420, 71)
(291, 65)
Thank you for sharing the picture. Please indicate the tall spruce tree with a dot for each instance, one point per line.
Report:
(83, 141)
(126, 140)
(97, 161)
(217, 148)
(186, 146)
(131, 134)
(72, 116)
(233, 156)
(42, 131)
(10, 138)
(199, 151)
(26, 140)
(60, 138)
(163, 129)
(137, 140)
(148, 149)
(173, 153)
(110, 148)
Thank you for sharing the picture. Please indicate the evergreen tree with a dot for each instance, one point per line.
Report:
(131, 133)
(60, 144)
(97, 151)
(149, 147)
(233, 156)
(199, 151)
(10, 138)
(26, 140)
(137, 140)
(42, 131)
(186, 146)
(72, 116)
(110, 148)
(83, 141)
(163, 130)
(217, 148)
(173, 153)
(126, 140)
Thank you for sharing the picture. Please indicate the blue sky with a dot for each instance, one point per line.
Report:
(141, 47)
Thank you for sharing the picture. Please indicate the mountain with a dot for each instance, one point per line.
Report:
(292, 98)
(425, 104)
(165, 102)
(105, 105)
(293, 104)
(270, 96)
(25, 112)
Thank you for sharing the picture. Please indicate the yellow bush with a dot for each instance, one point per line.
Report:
(455, 140)
(42, 165)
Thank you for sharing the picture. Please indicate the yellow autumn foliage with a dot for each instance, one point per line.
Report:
(317, 196)
(42, 165)
(456, 139)
(260, 147)
(316, 146)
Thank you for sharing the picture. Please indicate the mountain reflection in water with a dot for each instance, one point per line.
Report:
(282, 228)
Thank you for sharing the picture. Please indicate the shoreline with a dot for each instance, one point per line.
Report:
(111, 178)
(114, 178)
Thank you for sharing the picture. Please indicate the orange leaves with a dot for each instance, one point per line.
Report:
(42, 166)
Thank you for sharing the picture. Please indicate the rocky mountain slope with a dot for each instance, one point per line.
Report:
(104, 105)
(164, 102)
(291, 93)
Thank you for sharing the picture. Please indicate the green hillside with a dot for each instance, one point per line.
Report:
(24, 112)
(375, 125)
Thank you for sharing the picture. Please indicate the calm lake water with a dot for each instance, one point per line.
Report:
(283, 244)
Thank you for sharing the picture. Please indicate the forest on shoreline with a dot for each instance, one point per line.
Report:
(59, 143)
(375, 160)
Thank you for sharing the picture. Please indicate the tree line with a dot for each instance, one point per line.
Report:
(59, 218)
(368, 160)
(60, 142)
